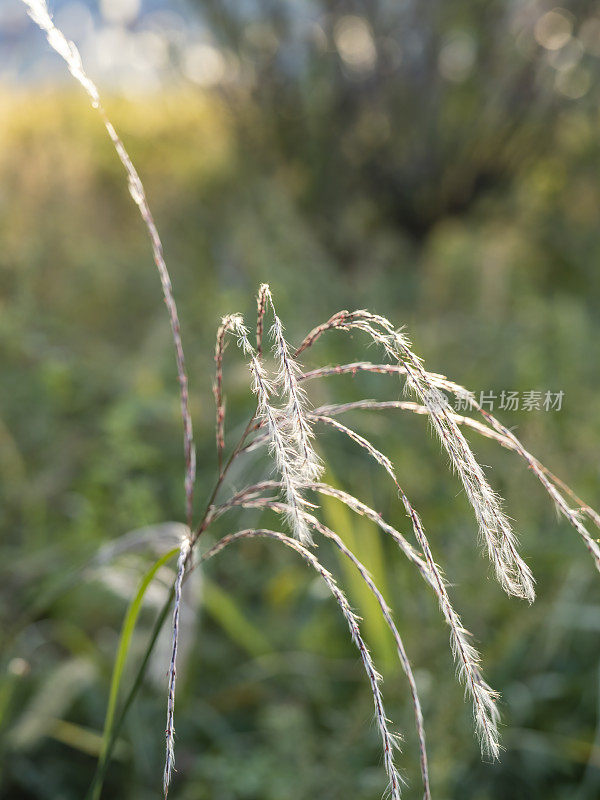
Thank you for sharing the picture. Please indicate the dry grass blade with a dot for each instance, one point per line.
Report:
(39, 13)
(388, 739)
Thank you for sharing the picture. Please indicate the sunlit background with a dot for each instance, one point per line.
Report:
(435, 161)
(135, 46)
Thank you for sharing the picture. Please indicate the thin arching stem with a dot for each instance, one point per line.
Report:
(247, 501)
(389, 740)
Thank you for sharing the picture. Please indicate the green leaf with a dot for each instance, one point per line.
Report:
(362, 537)
(119, 665)
(224, 610)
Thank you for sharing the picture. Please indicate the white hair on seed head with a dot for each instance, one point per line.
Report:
(282, 445)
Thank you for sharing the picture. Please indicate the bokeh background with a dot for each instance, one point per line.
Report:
(437, 162)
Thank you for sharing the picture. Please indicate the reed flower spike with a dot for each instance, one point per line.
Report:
(283, 418)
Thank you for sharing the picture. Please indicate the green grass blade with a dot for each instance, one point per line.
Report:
(362, 537)
(160, 621)
(124, 643)
(227, 613)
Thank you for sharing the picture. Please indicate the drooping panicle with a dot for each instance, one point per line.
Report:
(550, 485)
(389, 740)
(553, 485)
(467, 658)
(249, 500)
(400, 649)
(495, 530)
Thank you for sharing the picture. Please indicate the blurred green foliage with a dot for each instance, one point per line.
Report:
(499, 289)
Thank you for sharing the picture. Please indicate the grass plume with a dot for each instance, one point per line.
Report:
(283, 418)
